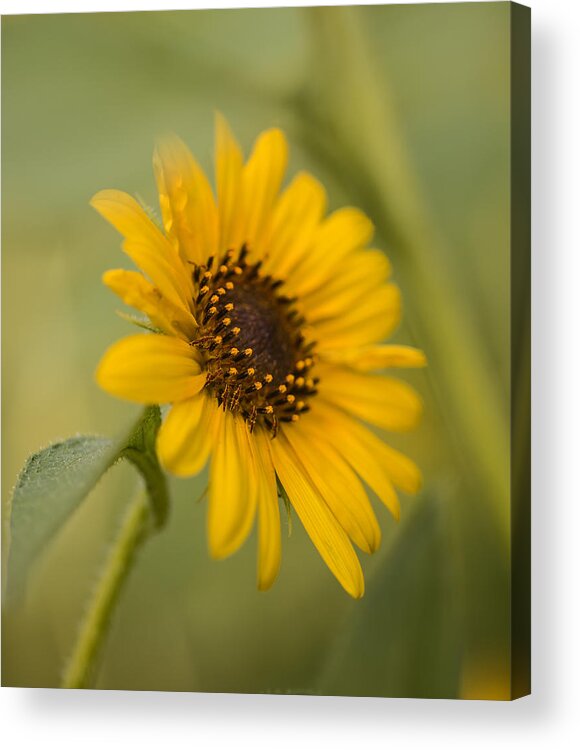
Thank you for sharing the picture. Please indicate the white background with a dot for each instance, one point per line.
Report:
(69, 719)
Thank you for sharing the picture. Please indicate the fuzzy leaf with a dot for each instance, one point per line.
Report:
(55, 480)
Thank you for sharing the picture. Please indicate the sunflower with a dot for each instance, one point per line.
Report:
(268, 317)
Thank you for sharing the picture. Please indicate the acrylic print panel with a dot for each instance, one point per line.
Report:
(299, 456)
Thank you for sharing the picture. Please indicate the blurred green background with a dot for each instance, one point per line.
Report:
(401, 110)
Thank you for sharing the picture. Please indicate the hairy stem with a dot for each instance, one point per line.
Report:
(95, 623)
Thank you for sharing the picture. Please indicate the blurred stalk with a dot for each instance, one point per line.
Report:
(106, 593)
(350, 122)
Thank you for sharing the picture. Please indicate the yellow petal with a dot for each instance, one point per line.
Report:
(184, 440)
(368, 323)
(367, 465)
(378, 357)
(187, 202)
(295, 218)
(362, 278)
(378, 399)
(146, 245)
(228, 174)
(137, 292)
(364, 266)
(344, 231)
(269, 541)
(372, 459)
(261, 180)
(326, 533)
(339, 486)
(232, 486)
(150, 369)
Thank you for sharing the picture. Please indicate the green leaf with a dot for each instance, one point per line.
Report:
(55, 480)
(402, 639)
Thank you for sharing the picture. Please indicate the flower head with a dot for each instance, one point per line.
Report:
(269, 317)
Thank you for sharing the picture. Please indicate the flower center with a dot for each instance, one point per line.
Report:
(257, 359)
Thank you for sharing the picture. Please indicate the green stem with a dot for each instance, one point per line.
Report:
(115, 571)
